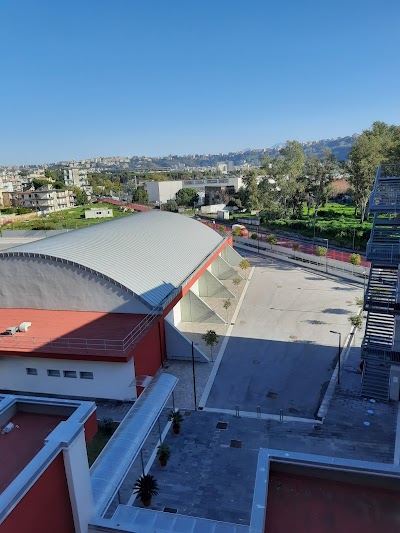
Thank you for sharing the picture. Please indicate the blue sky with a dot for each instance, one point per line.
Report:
(85, 78)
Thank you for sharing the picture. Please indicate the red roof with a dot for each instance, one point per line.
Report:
(20, 446)
(69, 334)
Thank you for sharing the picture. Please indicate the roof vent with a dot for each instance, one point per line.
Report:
(12, 330)
(24, 326)
(9, 427)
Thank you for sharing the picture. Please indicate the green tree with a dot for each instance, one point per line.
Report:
(187, 197)
(379, 144)
(81, 198)
(250, 200)
(171, 205)
(211, 339)
(319, 173)
(140, 195)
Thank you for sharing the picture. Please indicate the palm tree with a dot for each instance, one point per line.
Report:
(146, 487)
(237, 282)
(211, 338)
(227, 304)
(244, 265)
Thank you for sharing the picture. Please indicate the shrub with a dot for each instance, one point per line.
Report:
(321, 251)
(356, 321)
(105, 426)
(236, 232)
(296, 246)
(254, 236)
(271, 239)
(355, 259)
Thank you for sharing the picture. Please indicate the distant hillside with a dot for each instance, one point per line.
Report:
(340, 148)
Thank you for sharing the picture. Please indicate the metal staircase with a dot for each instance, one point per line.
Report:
(375, 383)
(381, 295)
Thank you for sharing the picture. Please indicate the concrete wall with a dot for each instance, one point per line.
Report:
(110, 380)
(44, 284)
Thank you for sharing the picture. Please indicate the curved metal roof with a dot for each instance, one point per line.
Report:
(149, 254)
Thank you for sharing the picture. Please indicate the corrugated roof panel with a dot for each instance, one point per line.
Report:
(149, 253)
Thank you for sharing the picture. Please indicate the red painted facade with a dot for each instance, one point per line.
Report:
(46, 507)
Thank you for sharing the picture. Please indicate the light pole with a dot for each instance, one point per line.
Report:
(364, 274)
(339, 351)
(327, 248)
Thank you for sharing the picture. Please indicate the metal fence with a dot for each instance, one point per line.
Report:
(300, 247)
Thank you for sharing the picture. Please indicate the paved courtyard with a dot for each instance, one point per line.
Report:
(211, 472)
(281, 353)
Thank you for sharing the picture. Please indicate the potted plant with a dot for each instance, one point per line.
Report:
(176, 419)
(163, 454)
(146, 487)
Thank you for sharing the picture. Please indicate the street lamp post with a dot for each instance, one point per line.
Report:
(364, 275)
(327, 248)
(339, 352)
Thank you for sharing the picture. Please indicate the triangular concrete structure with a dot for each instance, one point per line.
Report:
(222, 270)
(180, 347)
(210, 286)
(193, 309)
(231, 256)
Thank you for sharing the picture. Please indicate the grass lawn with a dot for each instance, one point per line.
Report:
(99, 441)
(73, 218)
(335, 222)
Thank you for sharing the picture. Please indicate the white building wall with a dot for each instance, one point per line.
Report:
(110, 380)
(162, 191)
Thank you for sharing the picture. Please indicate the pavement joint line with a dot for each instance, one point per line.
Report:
(221, 351)
(396, 455)
(330, 391)
(151, 460)
(262, 416)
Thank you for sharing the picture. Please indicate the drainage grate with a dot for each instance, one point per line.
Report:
(170, 510)
(293, 411)
(236, 443)
(222, 425)
(272, 395)
(187, 413)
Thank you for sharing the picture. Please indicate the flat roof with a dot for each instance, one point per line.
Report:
(21, 444)
(69, 334)
(311, 505)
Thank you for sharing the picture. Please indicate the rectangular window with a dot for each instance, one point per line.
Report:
(69, 374)
(53, 373)
(86, 375)
(31, 371)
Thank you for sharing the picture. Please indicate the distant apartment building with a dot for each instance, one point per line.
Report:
(161, 191)
(5, 198)
(45, 199)
(222, 167)
(78, 177)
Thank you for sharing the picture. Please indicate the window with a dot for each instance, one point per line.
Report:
(86, 375)
(69, 374)
(53, 373)
(31, 371)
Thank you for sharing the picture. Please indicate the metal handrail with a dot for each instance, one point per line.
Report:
(71, 344)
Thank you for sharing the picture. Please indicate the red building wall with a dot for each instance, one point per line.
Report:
(46, 507)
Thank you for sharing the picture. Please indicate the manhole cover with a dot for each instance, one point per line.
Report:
(293, 411)
(256, 362)
(187, 413)
(222, 425)
(272, 395)
(170, 510)
(293, 337)
(236, 443)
